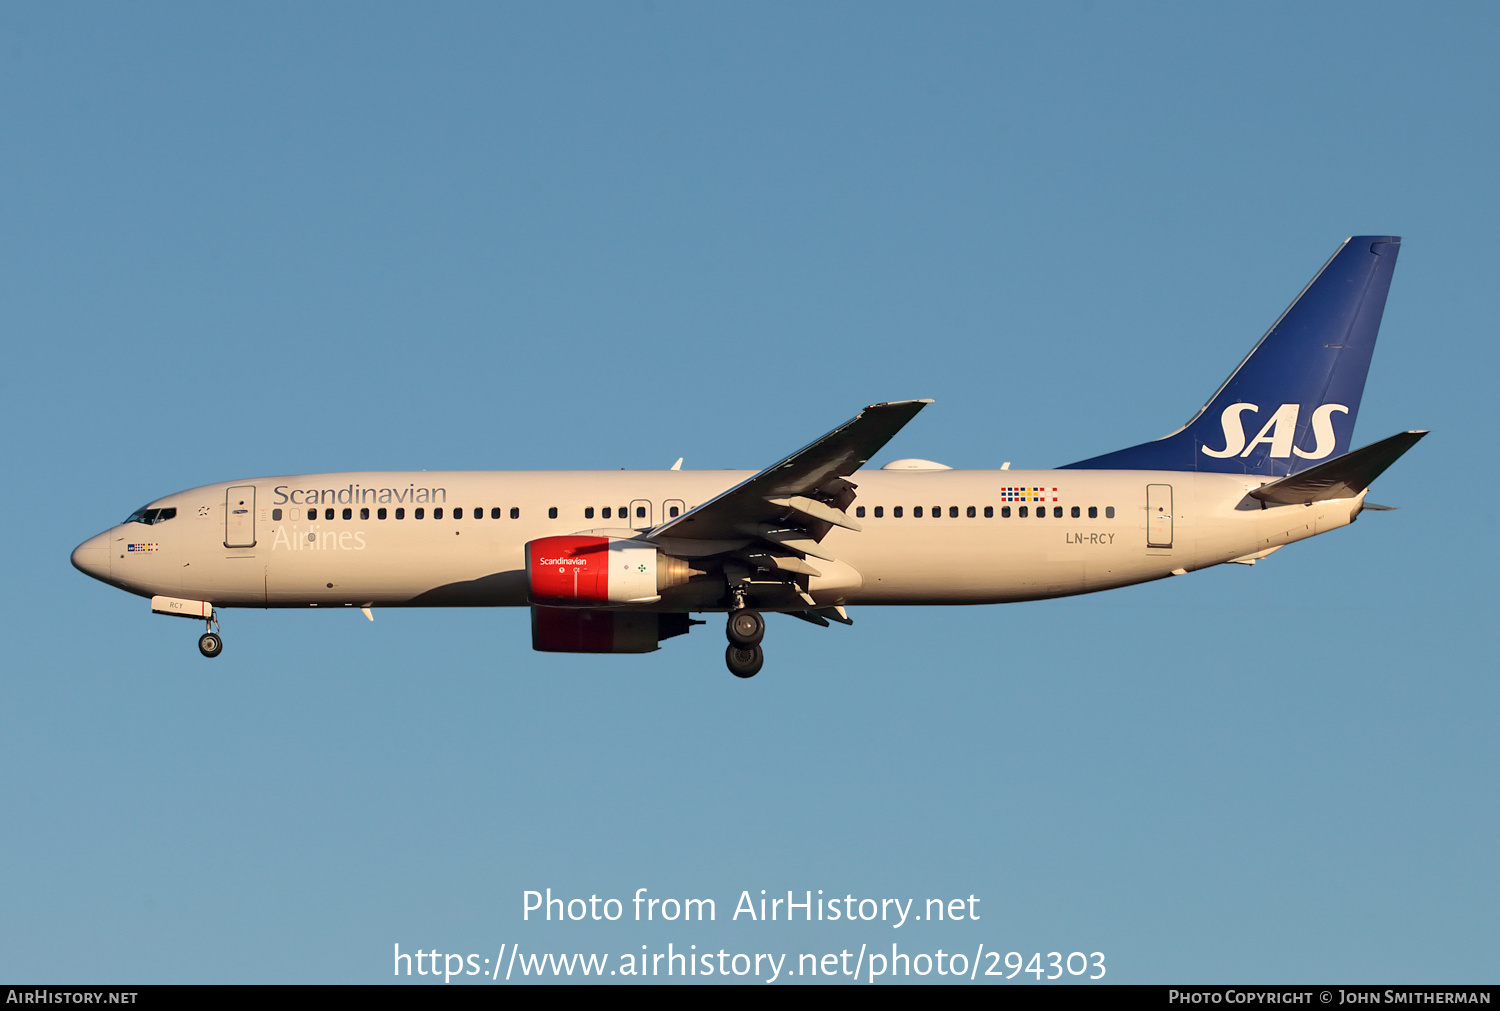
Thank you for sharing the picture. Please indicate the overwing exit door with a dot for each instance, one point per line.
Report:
(239, 517)
(640, 514)
(1158, 516)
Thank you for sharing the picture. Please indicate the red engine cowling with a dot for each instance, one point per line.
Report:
(580, 570)
(579, 630)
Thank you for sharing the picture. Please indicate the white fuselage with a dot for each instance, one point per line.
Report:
(268, 553)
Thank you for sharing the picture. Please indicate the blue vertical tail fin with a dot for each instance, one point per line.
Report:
(1293, 401)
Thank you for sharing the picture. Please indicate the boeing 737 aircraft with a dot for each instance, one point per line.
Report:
(616, 561)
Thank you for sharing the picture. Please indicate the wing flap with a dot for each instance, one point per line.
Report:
(813, 509)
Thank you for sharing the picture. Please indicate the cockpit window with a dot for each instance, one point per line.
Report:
(150, 516)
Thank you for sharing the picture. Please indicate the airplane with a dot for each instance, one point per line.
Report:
(618, 561)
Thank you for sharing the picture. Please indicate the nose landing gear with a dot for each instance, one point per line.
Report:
(210, 643)
(745, 629)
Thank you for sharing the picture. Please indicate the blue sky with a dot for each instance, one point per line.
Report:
(238, 241)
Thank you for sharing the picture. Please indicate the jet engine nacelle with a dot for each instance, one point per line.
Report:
(580, 630)
(582, 570)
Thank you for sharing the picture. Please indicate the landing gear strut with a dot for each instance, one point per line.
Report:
(209, 643)
(744, 630)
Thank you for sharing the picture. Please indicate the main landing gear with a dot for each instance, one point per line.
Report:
(210, 644)
(745, 629)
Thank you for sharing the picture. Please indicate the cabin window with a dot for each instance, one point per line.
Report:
(953, 512)
(380, 513)
(859, 512)
(495, 513)
(879, 512)
(1005, 512)
(1093, 512)
(588, 512)
(1109, 512)
(1057, 512)
(418, 513)
(1021, 512)
(348, 513)
(674, 511)
(552, 513)
(1041, 512)
(1075, 512)
(640, 512)
(606, 512)
(275, 514)
(458, 513)
(400, 514)
(916, 511)
(989, 512)
(515, 513)
(622, 512)
(937, 511)
(364, 513)
(896, 512)
(328, 514)
(437, 513)
(971, 512)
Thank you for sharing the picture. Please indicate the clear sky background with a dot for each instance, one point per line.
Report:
(239, 240)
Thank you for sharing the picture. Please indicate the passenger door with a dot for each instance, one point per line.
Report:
(1158, 516)
(239, 517)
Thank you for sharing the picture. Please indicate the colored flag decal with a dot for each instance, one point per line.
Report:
(1026, 494)
(143, 547)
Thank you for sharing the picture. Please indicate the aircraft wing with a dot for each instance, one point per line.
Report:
(808, 485)
(768, 525)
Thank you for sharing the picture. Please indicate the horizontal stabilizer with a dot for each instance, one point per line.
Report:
(1343, 477)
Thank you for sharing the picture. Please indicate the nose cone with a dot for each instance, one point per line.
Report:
(92, 557)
